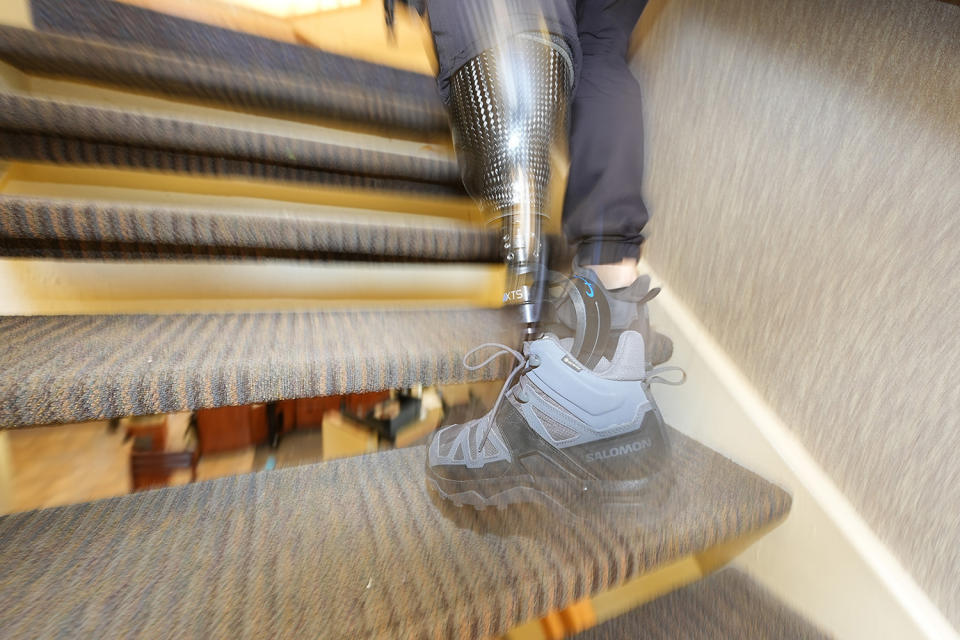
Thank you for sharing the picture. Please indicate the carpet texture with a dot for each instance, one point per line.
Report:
(119, 23)
(176, 73)
(727, 604)
(354, 548)
(45, 222)
(74, 120)
(15, 145)
(803, 175)
(73, 368)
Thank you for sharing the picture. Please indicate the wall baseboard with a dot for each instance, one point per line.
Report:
(824, 561)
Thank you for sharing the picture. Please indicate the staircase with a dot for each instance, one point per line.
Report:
(349, 548)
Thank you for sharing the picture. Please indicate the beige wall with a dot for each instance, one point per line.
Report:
(6, 474)
(16, 13)
(803, 171)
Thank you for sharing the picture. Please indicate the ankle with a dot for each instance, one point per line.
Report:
(616, 275)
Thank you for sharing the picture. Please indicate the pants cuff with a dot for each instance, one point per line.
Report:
(608, 250)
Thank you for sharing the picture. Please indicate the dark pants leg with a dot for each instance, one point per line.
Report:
(604, 212)
(463, 29)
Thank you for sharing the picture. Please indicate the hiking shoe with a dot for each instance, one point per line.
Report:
(628, 312)
(562, 434)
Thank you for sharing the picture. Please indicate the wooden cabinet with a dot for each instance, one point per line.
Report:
(229, 428)
(310, 411)
(258, 424)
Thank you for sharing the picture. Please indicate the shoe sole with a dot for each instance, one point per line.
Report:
(565, 495)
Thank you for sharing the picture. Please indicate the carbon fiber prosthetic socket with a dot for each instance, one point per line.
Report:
(509, 114)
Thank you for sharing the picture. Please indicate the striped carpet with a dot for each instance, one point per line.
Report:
(76, 121)
(94, 228)
(127, 25)
(353, 548)
(727, 604)
(32, 147)
(59, 369)
(178, 74)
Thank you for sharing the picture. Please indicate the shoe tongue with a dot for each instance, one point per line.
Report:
(629, 361)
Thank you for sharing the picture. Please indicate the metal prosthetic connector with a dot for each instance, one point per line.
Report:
(509, 115)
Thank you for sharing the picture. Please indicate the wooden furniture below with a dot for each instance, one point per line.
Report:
(150, 469)
(362, 403)
(149, 433)
(258, 423)
(309, 411)
(230, 428)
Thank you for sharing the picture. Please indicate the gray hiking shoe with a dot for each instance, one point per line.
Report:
(562, 434)
(628, 311)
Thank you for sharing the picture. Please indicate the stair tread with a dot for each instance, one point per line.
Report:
(72, 120)
(32, 147)
(349, 548)
(311, 92)
(56, 369)
(727, 604)
(41, 226)
(122, 23)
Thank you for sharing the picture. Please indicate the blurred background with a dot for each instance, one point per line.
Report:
(234, 239)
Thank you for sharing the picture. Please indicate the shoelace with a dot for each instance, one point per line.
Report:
(654, 376)
(486, 422)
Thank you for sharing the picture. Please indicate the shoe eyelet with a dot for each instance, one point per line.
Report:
(534, 361)
(522, 396)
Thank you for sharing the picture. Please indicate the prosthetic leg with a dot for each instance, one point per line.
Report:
(569, 429)
(509, 115)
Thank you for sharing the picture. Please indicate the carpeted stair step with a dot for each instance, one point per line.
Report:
(312, 92)
(47, 227)
(56, 369)
(55, 130)
(31, 147)
(124, 24)
(354, 548)
(727, 604)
